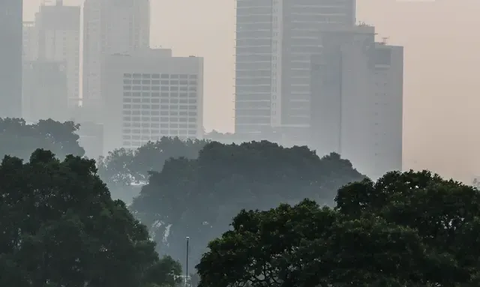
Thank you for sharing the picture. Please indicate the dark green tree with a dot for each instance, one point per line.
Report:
(124, 170)
(60, 227)
(406, 229)
(20, 139)
(198, 197)
(445, 213)
(305, 245)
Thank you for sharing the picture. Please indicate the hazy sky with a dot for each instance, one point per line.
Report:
(442, 62)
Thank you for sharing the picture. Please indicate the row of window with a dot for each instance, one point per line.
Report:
(157, 112)
(173, 103)
(158, 76)
(156, 95)
(160, 88)
(169, 119)
(135, 133)
(155, 126)
(159, 82)
(156, 119)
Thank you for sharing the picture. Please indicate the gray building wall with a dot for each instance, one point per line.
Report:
(275, 42)
(11, 34)
(110, 27)
(356, 104)
(44, 91)
(58, 36)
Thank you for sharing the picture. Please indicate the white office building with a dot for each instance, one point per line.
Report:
(357, 100)
(274, 44)
(58, 32)
(149, 95)
(110, 27)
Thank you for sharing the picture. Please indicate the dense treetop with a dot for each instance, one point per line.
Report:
(60, 227)
(122, 169)
(20, 139)
(406, 229)
(198, 197)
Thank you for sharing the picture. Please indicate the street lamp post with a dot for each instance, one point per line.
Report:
(186, 263)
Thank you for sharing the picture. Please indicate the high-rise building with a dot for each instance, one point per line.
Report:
(274, 44)
(58, 32)
(357, 100)
(44, 91)
(149, 95)
(11, 22)
(30, 42)
(110, 27)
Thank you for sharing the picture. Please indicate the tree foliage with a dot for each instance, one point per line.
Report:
(406, 229)
(123, 170)
(60, 227)
(198, 197)
(20, 139)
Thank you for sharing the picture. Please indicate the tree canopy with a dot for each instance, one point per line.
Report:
(406, 229)
(198, 197)
(20, 139)
(123, 170)
(60, 227)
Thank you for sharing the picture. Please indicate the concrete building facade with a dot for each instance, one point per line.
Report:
(274, 44)
(44, 91)
(58, 31)
(30, 42)
(110, 27)
(357, 100)
(11, 24)
(149, 95)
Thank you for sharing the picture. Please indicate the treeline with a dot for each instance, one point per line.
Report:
(60, 227)
(406, 229)
(198, 197)
(193, 188)
(298, 220)
(20, 139)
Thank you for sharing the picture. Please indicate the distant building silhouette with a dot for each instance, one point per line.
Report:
(58, 31)
(11, 22)
(45, 91)
(30, 42)
(110, 27)
(274, 43)
(357, 100)
(150, 95)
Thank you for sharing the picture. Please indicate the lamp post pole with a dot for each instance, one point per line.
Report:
(186, 262)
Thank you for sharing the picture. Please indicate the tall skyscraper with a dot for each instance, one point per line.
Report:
(274, 44)
(357, 100)
(11, 22)
(58, 32)
(110, 27)
(30, 42)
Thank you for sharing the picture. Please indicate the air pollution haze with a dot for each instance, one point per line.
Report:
(441, 68)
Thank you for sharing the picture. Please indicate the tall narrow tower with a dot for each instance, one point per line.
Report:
(58, 29)
(11, 22)
(274, 43)
(110, 27)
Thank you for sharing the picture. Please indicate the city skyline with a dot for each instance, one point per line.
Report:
(434, 133)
